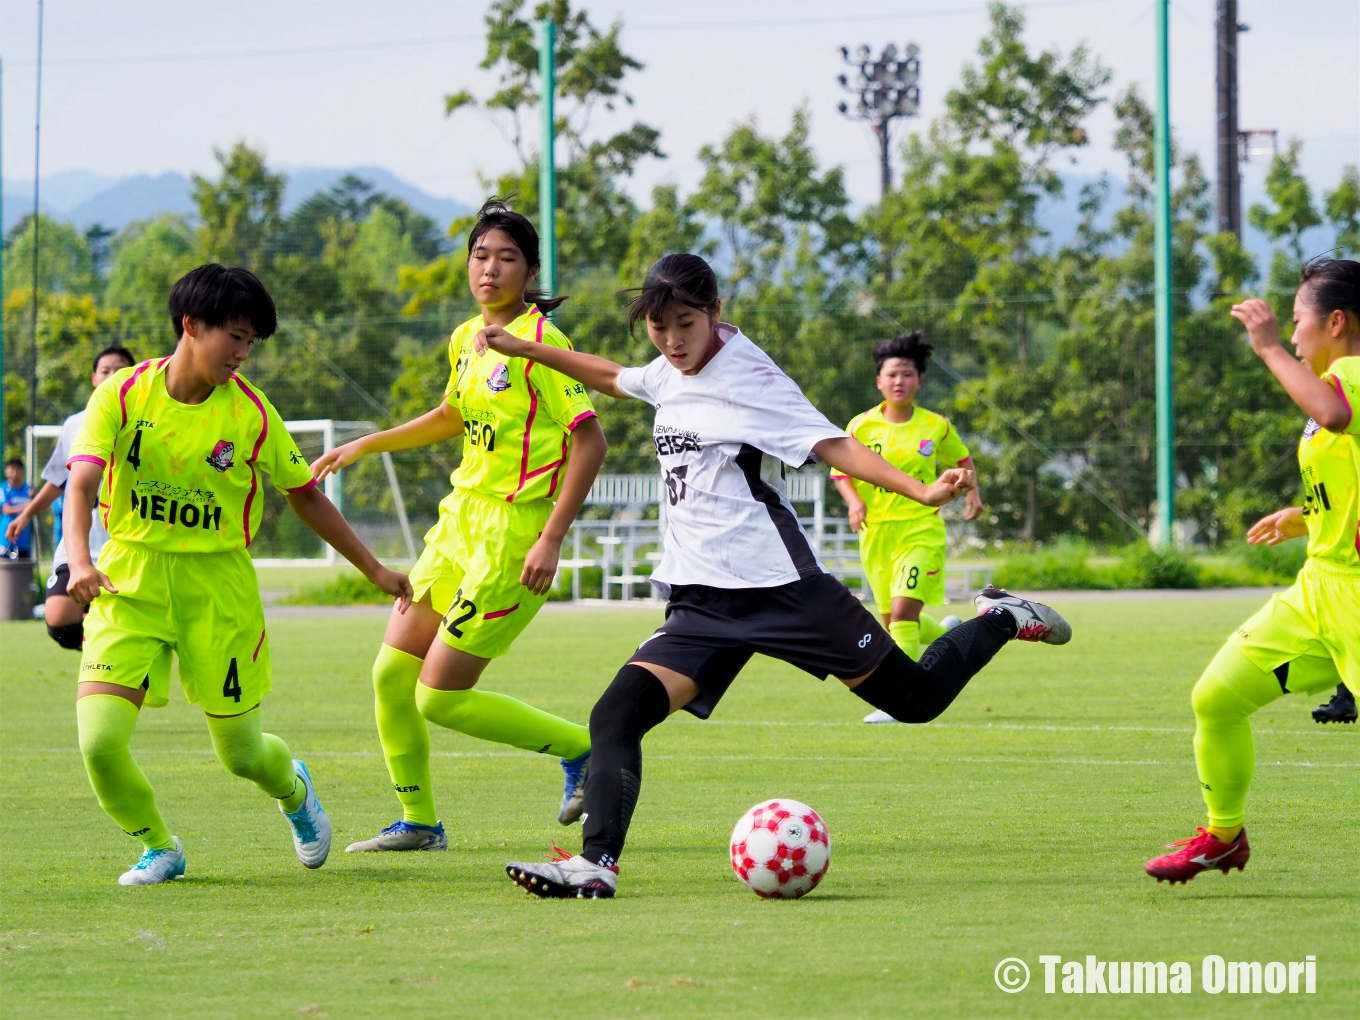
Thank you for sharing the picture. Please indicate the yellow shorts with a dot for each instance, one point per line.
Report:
(904, 559)
(1313, 627)
(471, 566)
(205, 607)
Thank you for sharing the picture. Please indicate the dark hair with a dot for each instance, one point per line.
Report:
(117, 349)
(218, 294)
(1332, 284)
(496, 214)
(679, 278)
(910, 346)
(15, 462)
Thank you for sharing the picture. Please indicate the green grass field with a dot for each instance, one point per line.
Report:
(1016, 825)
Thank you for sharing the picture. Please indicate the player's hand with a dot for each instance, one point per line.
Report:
(1278, 527)
(1262, 328)
(496, 339)
(858, 511)
(540, 566)
(949, 486)
(396, 584)
(972, 506)
(335, 458)
(84, 583)
(16, 526)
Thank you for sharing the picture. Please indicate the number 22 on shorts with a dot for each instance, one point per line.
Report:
(452, 623)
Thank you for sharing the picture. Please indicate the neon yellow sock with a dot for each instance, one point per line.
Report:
(1231, 689)
(931, 628)
(906, 634)
(247, 751)
(404, 733)
(105, 723)
(498, 717)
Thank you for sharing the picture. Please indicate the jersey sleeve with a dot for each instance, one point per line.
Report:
(1344, 377)
(103, 419)
(55, 471)
(565, 399)
(952, 448)
(637, 383)
(280, 457)
(779, 419)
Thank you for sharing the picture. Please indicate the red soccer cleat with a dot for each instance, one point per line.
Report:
(1199, 853)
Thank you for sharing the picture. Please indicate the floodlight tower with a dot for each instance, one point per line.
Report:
(885, 89)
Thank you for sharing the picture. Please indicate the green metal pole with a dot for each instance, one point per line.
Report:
(547, 169)
(1166, 464)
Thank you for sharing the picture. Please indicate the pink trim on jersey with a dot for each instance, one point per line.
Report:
(834, 477)
(128, 383)
(1340, 392)
(254, 454)
(88, 458)
(552, 484)
(501, 612)
(258, 645)
(311, 484)
(524, 475)
(580, 418)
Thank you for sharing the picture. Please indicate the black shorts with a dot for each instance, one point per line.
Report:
(814, 623)
(61, 575)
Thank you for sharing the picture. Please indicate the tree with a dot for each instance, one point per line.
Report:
(64, 262)
(146, 259)
(239, 214)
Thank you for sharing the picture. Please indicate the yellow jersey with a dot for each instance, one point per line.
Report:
(920, 447)
(1330, 462)
(519, 415)
(185, 477)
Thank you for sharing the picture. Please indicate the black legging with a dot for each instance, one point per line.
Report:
(911, 692)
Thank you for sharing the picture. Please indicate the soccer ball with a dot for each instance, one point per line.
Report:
(781, 849)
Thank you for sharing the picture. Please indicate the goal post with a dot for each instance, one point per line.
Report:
(324, 429)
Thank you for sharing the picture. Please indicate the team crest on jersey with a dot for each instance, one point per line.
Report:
(1311, 429)
(927, 448)
(220, 458)
(499, 379)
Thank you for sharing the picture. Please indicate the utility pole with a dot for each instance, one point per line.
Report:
(547, 167)
(1166, 463)
(37, 150)
(1227, 28)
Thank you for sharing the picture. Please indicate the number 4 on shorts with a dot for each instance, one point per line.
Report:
(231, 686)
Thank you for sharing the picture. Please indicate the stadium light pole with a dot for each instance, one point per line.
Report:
(547, 168)
(884, 90)
(1166, 465)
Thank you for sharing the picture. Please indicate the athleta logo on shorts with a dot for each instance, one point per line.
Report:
(927, 448)
(220, 457)
(864, 641)
(499, 379)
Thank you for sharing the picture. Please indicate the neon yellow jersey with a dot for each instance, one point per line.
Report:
(185, 477)
(919, 447)
(519, 415)
(1330, 462)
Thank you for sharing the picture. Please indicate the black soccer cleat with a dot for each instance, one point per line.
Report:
(1341, 709)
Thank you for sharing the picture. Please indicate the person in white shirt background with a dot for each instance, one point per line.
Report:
(65, 619)
(740, 574)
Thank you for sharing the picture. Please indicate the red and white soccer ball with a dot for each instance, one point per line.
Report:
(781, 849)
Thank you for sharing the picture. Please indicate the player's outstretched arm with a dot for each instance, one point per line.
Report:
(972, 503)
(1314, 397)
(598, 373)
(1278, 527)
(435, 426)
(588, 448)
(82, 492)
(853, 458)
(319, 514)
(46, 496)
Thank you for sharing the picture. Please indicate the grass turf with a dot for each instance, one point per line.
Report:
(1014, 826)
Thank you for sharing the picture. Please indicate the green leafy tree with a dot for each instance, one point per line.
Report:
(146, 259)
(64, 261)
(239, 213)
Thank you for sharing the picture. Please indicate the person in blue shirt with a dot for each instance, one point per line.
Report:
(16, 496)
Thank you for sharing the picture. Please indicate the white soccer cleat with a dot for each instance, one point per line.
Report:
(403, 835)
(1034, 620)
(156, 866)
(950, 622)
(566, 877)
(311, 827)
(878, 716)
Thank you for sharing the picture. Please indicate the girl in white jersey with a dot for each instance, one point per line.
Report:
(740, 574)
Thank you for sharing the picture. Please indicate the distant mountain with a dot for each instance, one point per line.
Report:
(86, 199)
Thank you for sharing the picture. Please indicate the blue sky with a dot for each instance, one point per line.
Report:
(134, 86)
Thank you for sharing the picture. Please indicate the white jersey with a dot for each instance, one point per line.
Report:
(724, 438)
(55, 472)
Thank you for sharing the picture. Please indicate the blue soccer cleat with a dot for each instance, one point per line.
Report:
(403, 835)
(574, 789)
(311, 827)
(156, 866)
